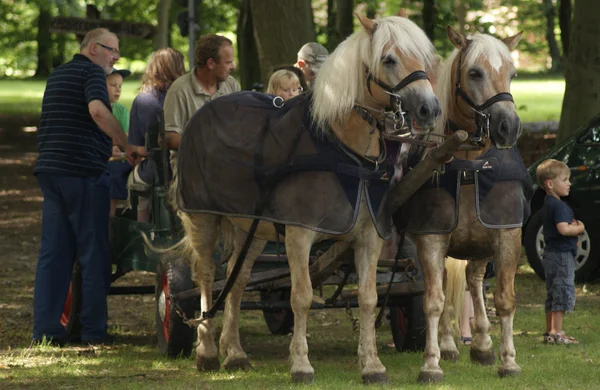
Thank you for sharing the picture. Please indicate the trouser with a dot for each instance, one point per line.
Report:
(74, 226)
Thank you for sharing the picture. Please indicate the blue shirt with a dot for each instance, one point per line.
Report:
(70, 143)
(145, 111)
(555, 212)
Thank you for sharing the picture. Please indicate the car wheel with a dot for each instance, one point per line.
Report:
(279, 322)
(586, 260)
(72, 309)
(175, 338)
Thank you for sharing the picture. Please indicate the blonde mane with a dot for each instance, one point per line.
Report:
(341, 82)
(483, 47)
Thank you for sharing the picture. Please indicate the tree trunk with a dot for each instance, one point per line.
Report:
(162, 34)
(331, 40)
(344, 22)
(44, 43)
(461, 15)
(429, 18)
(247, 50)
(564, 20)
(582, 70)
(280, 30)
(550, 14)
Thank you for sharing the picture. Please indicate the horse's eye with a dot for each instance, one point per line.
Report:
(475, 74)
(389, 61)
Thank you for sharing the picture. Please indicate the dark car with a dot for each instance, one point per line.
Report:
(581, 153)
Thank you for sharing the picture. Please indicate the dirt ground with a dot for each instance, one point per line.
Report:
(20, 229)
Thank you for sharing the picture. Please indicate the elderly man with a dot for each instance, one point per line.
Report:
(209, 79)
(310, 58)
(75, 138)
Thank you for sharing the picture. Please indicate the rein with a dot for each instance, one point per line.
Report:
(482, 120)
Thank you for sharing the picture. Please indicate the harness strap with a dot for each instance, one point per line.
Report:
(368, 117)
(414, 76)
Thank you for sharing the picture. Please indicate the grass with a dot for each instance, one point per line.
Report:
(134, 361)
(537, 100)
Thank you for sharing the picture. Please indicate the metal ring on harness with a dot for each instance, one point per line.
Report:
(275, 101)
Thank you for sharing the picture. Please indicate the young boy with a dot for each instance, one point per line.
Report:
(118, 170)
(560, 234)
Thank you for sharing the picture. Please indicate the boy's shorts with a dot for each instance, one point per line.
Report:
(559, 269)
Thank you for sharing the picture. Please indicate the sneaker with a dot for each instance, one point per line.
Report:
(562, 338)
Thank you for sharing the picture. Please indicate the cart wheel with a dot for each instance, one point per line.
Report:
(279, 322)
(72, 310)
(408, 325)
(175, 338)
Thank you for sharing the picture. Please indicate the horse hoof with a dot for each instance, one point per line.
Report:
(302, 377)
(375, 378)
(449, 355)
(503, 372)
(485, 358)
(239, 364)
(426, 377)
(207, 364)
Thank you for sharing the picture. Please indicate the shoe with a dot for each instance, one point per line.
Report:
(562, 338)
(466, 340)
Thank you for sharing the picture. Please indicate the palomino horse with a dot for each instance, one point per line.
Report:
(381, 66)
(473, 86)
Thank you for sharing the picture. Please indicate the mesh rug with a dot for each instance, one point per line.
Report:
(502, 189)
(242, 156)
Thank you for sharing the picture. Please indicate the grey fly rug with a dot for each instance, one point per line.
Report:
(501, 185)
(241, 155)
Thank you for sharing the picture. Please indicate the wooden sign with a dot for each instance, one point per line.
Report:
(62, 24)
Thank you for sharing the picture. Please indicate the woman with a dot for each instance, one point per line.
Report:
(164, 67)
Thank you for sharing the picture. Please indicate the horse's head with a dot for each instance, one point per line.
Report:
(400, 55)
(480, 76)
(382, 66)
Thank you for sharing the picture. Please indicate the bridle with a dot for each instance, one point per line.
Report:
(395, 99)
(482, 119)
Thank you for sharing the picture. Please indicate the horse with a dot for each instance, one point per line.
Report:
(473, 86)
(380, 67)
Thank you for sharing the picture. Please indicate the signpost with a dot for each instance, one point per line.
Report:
(62, 24)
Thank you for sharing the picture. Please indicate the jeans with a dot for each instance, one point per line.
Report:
(74, 226)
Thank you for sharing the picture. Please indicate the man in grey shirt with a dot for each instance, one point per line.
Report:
(209, 79)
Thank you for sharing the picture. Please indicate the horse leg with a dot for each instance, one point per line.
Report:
(454, 286)
(202, 232)
(482, 351)
(432, 250)
(507, 249)
(366, 255)
(298, 244)
(229, 343)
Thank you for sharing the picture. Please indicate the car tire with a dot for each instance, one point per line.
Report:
(70, 317)
(175, 338)
(586, 261)
(279, 322)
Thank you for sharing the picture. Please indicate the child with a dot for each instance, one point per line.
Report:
(560, 235)
(118, 170)
(284, 84)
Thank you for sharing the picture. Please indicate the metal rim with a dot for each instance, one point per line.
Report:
(583, 247)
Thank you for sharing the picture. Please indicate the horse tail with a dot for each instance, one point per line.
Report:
(456, 284)
(162, 251)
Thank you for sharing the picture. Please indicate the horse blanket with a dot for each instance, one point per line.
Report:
(502, 188)
(245, 155)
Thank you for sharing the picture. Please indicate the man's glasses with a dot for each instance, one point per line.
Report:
(110, 49)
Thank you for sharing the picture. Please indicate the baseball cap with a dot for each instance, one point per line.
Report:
(123, 72)
(313, 53)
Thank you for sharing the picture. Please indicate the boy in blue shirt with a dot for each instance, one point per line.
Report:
(560, 234)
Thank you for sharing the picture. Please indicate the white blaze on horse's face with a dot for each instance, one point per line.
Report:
(399, 71)
(487, 70)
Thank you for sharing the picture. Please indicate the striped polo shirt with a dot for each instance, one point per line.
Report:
(70, 143)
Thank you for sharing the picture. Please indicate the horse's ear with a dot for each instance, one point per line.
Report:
(458, 40)
(367, 23)
(511, 42)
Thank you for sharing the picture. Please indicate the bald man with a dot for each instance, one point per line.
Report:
(75, 138)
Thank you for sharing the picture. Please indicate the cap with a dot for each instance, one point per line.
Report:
(313, 53)
(123, 72)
